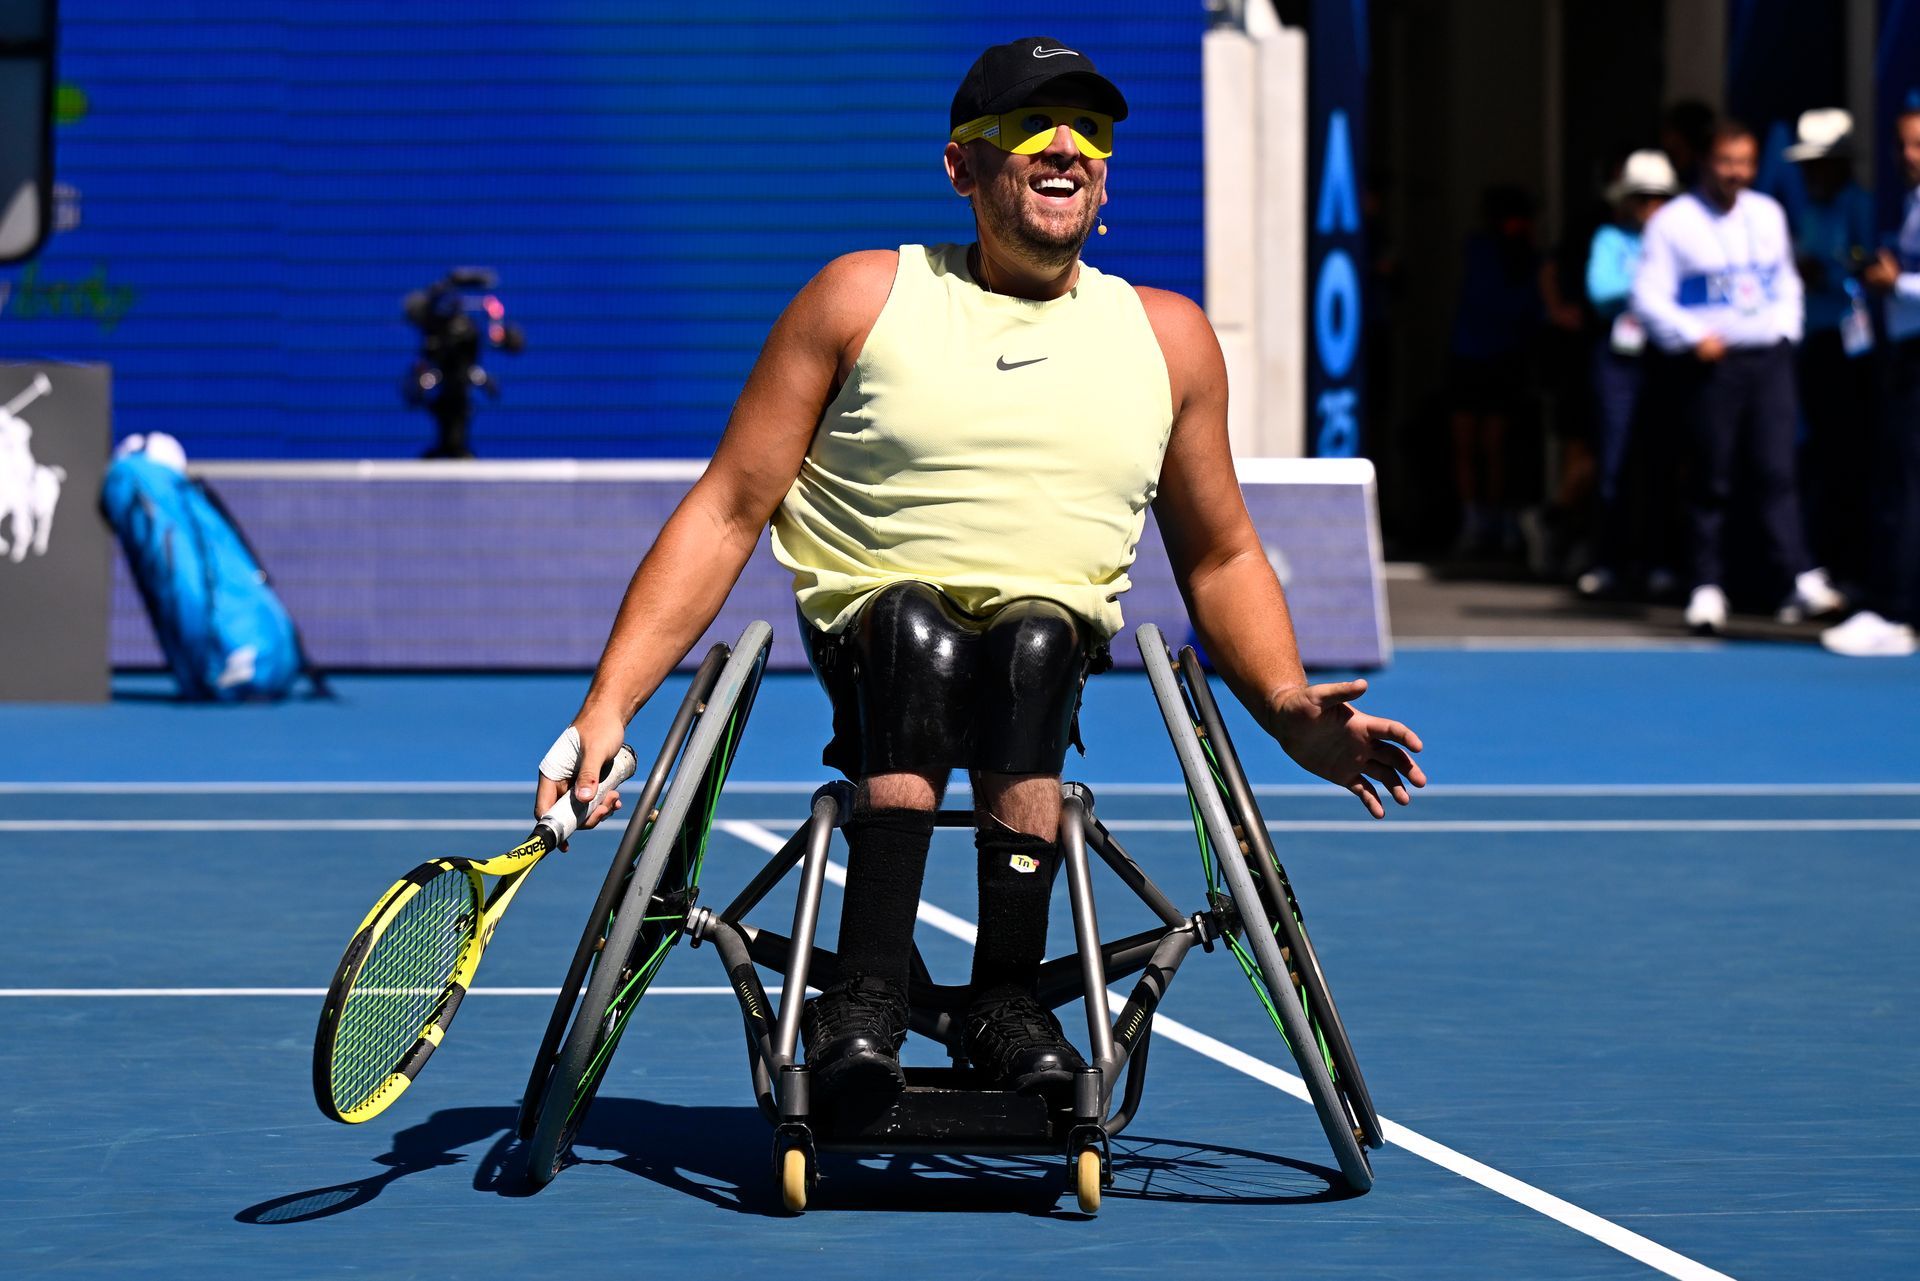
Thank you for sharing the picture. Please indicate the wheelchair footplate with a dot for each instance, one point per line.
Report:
(942, 1110)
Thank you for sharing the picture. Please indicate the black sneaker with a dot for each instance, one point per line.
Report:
(1017, 1045)
(854, 1031)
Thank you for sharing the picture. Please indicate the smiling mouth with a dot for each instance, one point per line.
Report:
(1059, 187)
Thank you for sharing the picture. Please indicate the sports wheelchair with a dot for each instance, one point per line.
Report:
(650, 900)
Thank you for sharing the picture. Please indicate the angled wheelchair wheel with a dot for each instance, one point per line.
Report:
(642, 908)
(593, 938)
(1234, 883)
(1277, 899)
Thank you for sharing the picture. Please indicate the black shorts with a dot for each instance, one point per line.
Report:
(918, 685)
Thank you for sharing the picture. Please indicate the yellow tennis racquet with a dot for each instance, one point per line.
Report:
(411, 960)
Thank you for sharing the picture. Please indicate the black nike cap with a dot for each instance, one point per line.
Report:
(1008, 75)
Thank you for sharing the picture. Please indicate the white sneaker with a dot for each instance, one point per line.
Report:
(1867, 635)
(1707, 610)
(1813, 596)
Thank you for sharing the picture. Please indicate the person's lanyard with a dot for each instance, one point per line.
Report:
(1739, 286)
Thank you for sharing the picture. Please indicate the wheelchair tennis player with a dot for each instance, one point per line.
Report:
(956, 447)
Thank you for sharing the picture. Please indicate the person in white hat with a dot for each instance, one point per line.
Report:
(1832, 240)
(1646, 182)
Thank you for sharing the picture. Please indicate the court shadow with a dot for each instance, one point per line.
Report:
(723, 1156)
(1146, 1169)
(433, 1143)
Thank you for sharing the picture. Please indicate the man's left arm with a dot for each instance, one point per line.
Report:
(1236, 602)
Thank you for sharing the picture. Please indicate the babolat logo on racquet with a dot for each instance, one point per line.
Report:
(410, 962)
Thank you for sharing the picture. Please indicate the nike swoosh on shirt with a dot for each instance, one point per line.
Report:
(1054, 53)
(1018, 364)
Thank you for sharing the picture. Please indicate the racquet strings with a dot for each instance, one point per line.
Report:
(401, 984)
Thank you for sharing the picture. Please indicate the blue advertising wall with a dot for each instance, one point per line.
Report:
(1337, 54)
(248, 188)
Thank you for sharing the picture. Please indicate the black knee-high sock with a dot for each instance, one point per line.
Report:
(1016, 887)
(886, 859)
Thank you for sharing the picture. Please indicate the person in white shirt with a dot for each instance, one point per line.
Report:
(1718, 292)
(1887, 631)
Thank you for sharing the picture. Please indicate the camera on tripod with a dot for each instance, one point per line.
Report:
(456, 324)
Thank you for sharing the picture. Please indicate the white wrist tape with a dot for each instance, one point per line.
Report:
(562, 760)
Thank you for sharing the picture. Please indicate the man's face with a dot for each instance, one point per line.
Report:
(1824, 177)
(1730, 167)
(1041, 207)
(1642, 207)
(1908, 129)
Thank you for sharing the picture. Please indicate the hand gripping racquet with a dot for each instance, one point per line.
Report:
(411, 960)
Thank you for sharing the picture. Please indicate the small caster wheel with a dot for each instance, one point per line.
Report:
(1086, 1180)
(793, 1180)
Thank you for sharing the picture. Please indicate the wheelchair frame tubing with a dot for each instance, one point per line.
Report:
(779, 1082)
(1327, 1101)
(1283, 906)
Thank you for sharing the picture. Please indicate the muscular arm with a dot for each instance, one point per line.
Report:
(686, 575)
(1233, 596)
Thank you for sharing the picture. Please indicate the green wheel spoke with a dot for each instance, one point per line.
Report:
(636, 987)
(1248, 966)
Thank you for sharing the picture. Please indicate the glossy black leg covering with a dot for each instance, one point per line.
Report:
(1016, 887)
(886, 860)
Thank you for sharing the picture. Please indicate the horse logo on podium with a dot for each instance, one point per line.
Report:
(29, 489)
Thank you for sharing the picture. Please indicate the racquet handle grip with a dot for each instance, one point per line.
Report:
(564, 819)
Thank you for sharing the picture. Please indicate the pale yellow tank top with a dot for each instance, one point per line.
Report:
(995, 447)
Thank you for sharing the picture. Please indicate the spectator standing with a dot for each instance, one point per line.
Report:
(1833, 240)
(1895, 276)
(1647, 181)
(1493, 336)
(1718, 291)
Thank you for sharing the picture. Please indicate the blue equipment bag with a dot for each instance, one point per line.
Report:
(225, 633)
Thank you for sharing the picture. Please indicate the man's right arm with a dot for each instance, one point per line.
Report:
(1656, 291)
(685, 577)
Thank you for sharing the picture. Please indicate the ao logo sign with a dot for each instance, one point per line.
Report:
(1336, 297)
(29, 490)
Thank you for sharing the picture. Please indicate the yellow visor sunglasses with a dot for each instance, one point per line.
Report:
(1029, 130)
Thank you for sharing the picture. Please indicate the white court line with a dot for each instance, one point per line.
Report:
(315, 991)
(1397, 826)
(1392, 827)
(396, 824)
(1562, 644)
(1608, 1233)
(798, 787)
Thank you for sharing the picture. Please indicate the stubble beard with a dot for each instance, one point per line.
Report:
(1004, 208)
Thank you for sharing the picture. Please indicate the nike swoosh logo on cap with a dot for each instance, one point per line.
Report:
(1018, 364)
(1055, 53)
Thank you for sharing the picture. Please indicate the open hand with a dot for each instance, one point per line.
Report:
(1323, 732)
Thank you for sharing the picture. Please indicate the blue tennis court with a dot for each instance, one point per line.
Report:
(1632, 983)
